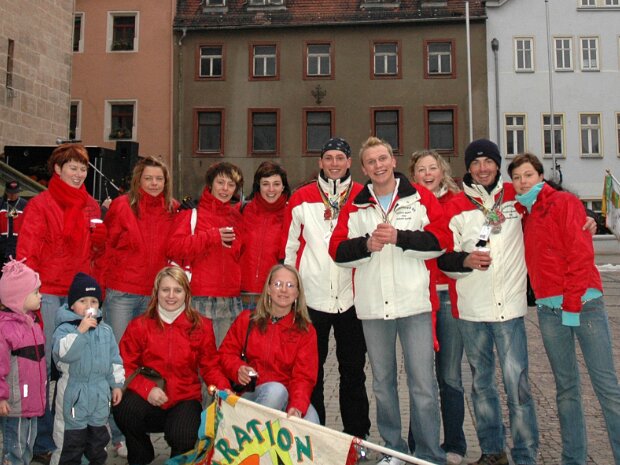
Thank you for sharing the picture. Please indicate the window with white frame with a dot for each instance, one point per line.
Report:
(319, 125)
(120, 120)
(515, 134)
(264, 58)
(589, 53)
(590, 134)
(588, 2)
(318, 60)
(385, 59)
(387, 126)
(122, 31)
(441, 129)
(209, 131)
(524, 54)
(558, 135)
(266, 2)
(563, 53)
(439, 58)
(78, 32)
(75, 117)
(264, 132)
(211, 61)
(612, 2)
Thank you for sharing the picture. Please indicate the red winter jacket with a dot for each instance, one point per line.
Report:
(283, 353)
(215, 267)
(262, 232)
(136, 246)
(178, 352)
(41, 242)
(558, 252)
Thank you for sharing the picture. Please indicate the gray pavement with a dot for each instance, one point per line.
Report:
(542, 384)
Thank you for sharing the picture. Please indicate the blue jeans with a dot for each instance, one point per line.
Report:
(448, 367)
(18, 436)
(595, 341)
(222, 311)
(49, 307)
(510, 341)
(274, 395)
(122, 307)
(416, 337)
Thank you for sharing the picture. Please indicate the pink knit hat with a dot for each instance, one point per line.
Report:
(16, 283)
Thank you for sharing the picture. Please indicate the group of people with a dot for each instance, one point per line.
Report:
(194, 296)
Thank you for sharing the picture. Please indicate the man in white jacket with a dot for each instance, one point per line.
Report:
(310, 218)
(387, 233)
(488, 263)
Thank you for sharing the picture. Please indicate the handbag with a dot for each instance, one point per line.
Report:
(187, 267)
(238, 387)
(149, 373)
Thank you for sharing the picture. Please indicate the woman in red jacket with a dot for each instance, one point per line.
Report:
(166, 352)
(431, 170)
(209, 238)
(569, 299)
(138, 224)
(281, 355)
(263, 219)
(58, 240)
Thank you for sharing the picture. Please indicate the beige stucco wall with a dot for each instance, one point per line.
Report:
(36, 111)
(144, 76)
(352, 93)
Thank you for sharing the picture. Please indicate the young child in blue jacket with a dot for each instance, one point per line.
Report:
(91, 376)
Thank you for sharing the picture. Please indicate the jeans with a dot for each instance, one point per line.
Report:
(510, 341)
(595, 341)
(18, 436)
(122, 307)
(222, 311)
(416, 337)
(351, 355)
(274, 395)
(448, 368)
(118, 310)
(49, 306)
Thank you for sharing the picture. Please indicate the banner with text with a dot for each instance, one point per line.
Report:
(235, 431)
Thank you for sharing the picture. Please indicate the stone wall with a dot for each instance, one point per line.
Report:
(35, 109)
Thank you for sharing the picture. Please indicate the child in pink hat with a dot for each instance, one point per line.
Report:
(23, 373)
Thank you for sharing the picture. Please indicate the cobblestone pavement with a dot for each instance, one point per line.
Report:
(541, 380)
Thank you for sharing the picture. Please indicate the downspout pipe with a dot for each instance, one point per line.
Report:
(178, 168)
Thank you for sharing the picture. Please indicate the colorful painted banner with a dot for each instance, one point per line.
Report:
(235, 431)
(611, 204)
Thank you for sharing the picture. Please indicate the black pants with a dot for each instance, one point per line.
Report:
(90, 441)
(351, 355)
(136, 418)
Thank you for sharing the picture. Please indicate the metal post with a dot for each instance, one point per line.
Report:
(495, 48)
(554, 173)
(469, 96)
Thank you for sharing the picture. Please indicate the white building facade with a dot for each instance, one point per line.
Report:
(584, 50)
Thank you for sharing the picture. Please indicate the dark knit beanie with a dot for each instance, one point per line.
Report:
(482, 148)
(337, 143)
(83, 285)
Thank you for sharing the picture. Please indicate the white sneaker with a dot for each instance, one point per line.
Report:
(389, 460)
(452, 458)
(121, 449)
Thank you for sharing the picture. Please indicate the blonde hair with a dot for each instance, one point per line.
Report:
(373, 141)
(444, 166)
(134, 190)
(180, 277)
(262, 314)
